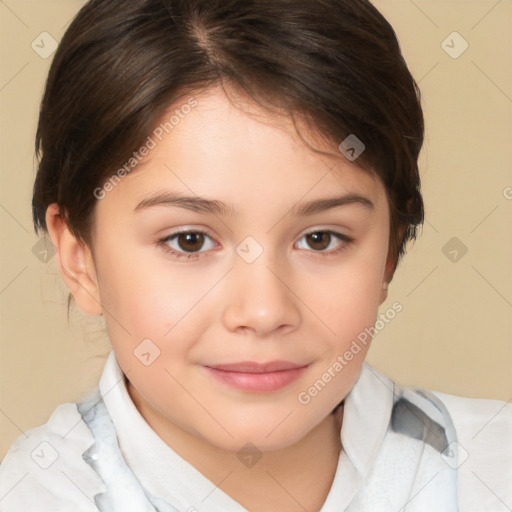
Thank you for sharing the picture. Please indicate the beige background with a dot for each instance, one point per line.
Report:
(455, 331)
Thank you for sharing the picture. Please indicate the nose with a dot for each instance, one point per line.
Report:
(260, 299)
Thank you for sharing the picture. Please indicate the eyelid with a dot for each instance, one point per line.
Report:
(323, 229)
(188, 229)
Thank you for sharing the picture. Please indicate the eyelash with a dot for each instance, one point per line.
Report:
(164, 243)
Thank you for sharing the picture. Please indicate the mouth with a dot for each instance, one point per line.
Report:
(257, 377)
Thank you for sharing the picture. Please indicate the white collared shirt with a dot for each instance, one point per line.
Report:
(44, 471)
(165, 474)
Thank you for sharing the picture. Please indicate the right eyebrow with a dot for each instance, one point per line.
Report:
(194, 203)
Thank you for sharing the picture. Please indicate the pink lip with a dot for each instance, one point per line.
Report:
(258, 377)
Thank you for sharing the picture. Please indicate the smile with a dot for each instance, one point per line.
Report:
(257, 377)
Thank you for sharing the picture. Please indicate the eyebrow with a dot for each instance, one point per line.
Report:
(215, 207)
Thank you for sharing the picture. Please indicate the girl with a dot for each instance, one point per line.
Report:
(231, 184)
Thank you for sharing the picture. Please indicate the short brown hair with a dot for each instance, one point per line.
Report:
(122, 62)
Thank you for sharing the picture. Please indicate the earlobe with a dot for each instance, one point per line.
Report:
(388, 276)
(383, 292)
(75, 262)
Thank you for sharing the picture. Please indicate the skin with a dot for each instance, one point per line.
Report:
(292, 303)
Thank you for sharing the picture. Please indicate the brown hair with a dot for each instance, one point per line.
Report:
(121, 63)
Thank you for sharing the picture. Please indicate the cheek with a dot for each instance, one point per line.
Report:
(350, 297)
(145, 299)
(348, 310)
(136, 287)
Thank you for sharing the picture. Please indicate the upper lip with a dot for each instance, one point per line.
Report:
(254, 367)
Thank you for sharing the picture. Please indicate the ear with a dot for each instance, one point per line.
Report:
(391, 264)
(75, 261)
(388, 275)
(389, 271)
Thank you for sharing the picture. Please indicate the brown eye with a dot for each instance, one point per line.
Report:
(190, 242)
(319, 241)
(325, 243)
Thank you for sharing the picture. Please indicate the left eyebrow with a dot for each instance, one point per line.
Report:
(203, 205)
(321, 205)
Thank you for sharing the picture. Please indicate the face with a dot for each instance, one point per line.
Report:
(231, 281)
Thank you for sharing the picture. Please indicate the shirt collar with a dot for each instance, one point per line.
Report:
(160, 470)
(366, 417)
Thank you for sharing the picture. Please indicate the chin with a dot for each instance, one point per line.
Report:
(254, 441)
(266, 434)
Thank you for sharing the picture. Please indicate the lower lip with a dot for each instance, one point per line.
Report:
(258, 382)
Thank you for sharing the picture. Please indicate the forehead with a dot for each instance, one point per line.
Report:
(233, 149)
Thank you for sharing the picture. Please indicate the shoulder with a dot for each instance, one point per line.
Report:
(484, 443)
(474, 410)
(44, 468)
